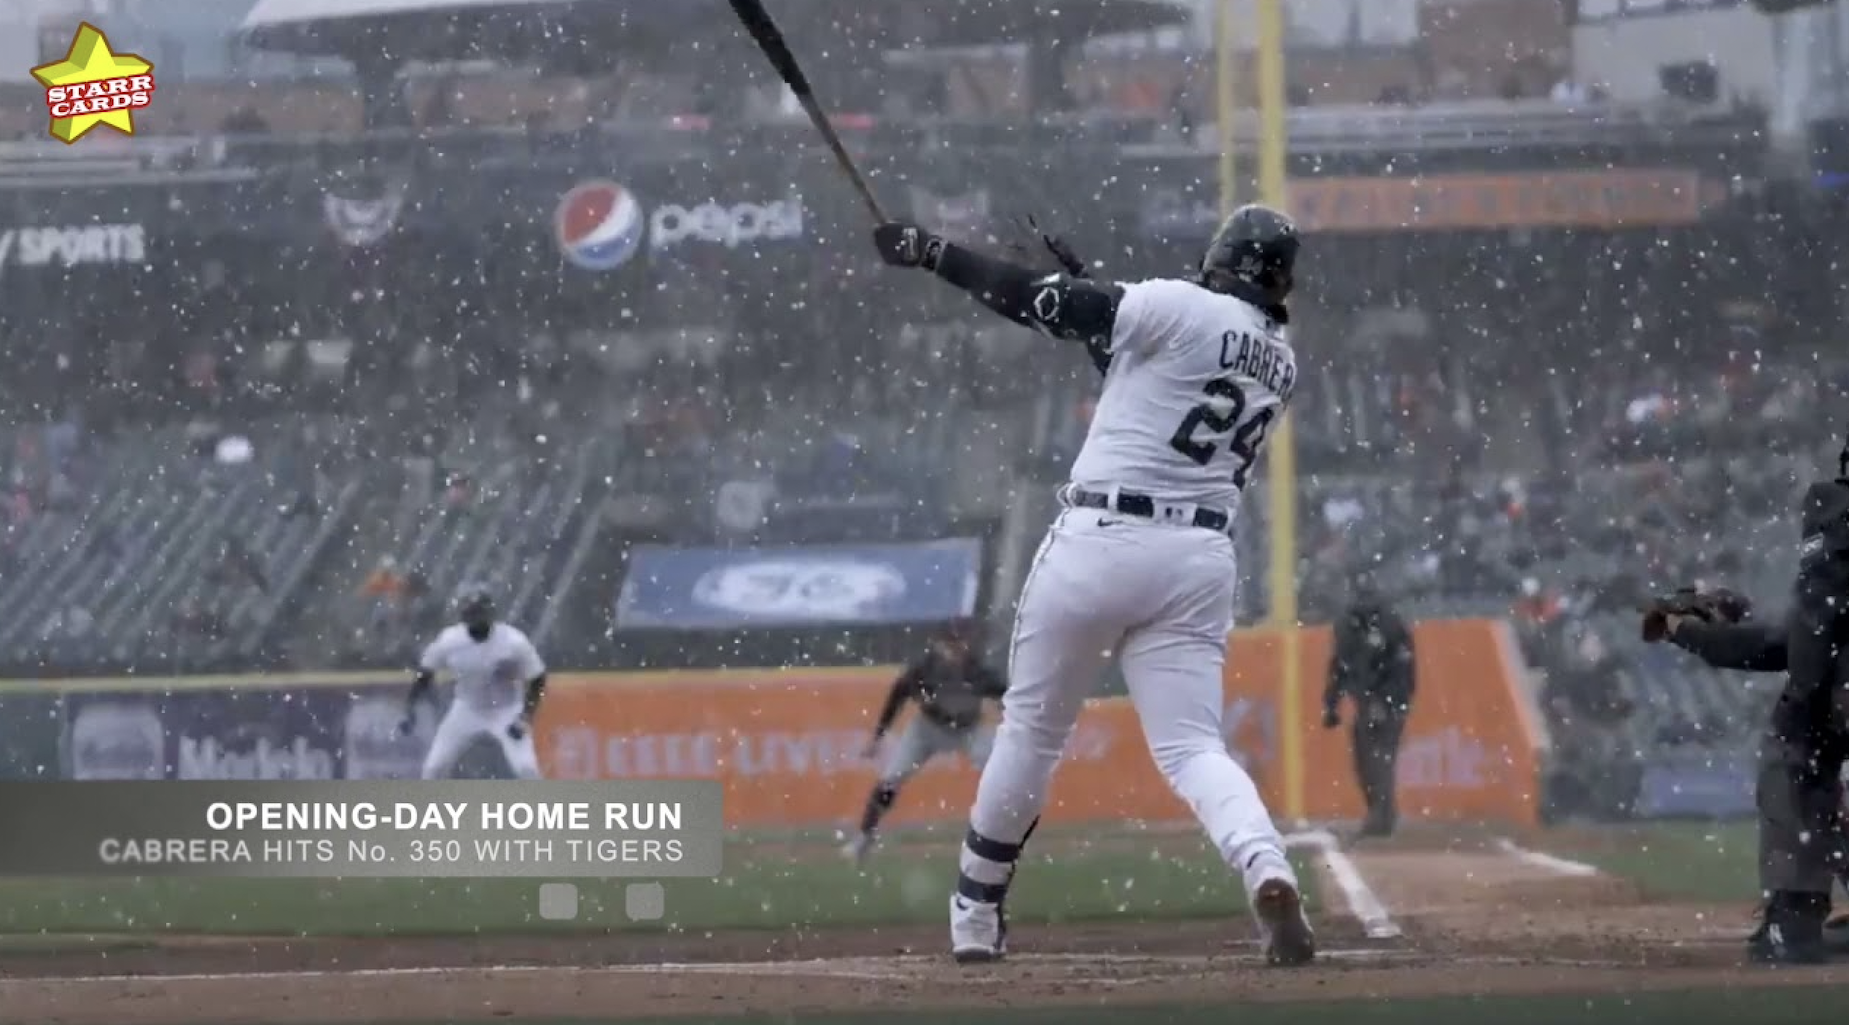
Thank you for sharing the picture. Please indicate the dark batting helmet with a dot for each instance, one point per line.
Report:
(475, 605)
(1253, 256)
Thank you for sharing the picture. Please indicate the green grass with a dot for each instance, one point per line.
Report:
(1699, 861)
(763, 888)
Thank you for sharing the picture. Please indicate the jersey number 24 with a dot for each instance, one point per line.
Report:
(1246, 435)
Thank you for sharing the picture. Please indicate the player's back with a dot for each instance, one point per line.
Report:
(1196, 380)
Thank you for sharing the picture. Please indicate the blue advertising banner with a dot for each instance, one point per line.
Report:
(115, 735)
(370, 742)
(31, 723)
(810, 585)
(249, 733)
(252, 733)
(255, 734)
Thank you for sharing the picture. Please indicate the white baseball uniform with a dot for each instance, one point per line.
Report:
(1195, 381)
(491, 677)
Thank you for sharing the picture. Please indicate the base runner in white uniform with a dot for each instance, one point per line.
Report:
(1141, 562)
(499, 683)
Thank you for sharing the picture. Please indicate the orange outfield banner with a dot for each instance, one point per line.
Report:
(789, 743)
(789, 746)
(1606, 199)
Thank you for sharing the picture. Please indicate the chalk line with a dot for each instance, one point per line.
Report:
(910, 967)
(1362, 902)
(1545, 861)
(836, 969)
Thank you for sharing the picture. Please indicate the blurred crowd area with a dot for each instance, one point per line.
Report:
(1555, 454)
(208, 84)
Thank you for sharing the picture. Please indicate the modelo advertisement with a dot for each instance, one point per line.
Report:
(252, 732)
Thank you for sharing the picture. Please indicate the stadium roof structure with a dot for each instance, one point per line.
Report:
(518, 31)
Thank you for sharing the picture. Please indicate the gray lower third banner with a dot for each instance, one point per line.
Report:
(553, 830)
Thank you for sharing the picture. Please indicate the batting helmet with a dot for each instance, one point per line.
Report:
(1253, 256)
(475, 604)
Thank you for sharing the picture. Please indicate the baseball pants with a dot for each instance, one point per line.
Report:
(1377, 732)
(1160, 597)
(1801, 845)
(923, 740)
(460, 727)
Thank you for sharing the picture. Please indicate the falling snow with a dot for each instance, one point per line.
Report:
(571, 304)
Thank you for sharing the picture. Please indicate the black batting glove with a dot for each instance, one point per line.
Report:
(907, 245)
(1061, 250)
(516, 730)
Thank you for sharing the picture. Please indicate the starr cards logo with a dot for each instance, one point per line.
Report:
(94, 85)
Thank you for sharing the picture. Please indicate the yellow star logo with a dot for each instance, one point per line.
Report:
(93, 85)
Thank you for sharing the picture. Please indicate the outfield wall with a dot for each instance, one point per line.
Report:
(788, 743)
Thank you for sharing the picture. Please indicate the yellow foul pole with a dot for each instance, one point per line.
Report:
(1281, 452)
(1226, 103)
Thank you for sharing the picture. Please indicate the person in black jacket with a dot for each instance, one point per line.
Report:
(949, 683)
(1372, 663)
(1802, 847)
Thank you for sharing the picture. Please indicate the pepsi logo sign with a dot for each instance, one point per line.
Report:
(729, 226)
(599, 225)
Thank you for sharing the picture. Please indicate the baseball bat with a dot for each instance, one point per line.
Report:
(769, 38)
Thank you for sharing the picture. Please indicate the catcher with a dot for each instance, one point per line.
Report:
(1802, 843)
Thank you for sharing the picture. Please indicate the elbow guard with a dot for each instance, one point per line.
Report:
(1077, 311)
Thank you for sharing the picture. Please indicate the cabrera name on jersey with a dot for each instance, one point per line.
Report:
(490, 673)
(1196, 381)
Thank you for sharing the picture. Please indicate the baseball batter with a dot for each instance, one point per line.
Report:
(499, 683)
(949, 684)
(1141, 561)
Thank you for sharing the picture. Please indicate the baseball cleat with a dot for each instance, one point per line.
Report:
(1288, 938)
(978, 931)
(1791, 931)
(1777, 944)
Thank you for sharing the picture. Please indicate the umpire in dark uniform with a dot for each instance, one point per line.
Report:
(1372, 663)
(949, 683)
(1799, 790)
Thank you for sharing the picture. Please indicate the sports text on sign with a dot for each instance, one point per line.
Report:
(72, 246)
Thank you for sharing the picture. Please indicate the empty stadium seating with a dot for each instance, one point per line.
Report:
(169, 556)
